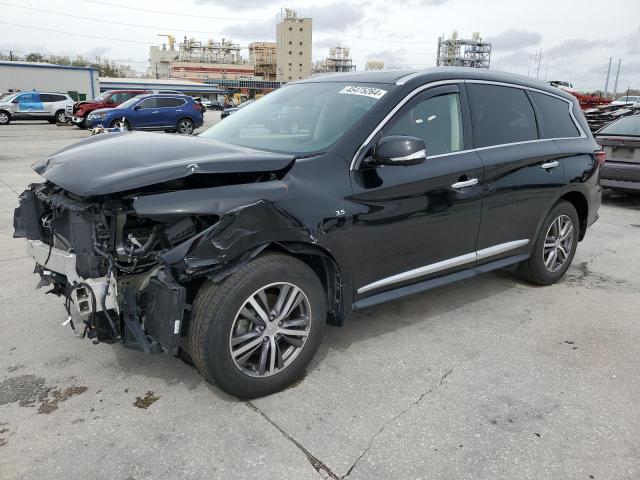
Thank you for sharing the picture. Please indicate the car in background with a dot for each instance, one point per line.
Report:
(175, 113)
(228, 111)
(620, 141)
(198, 100)
(206, 103)
(50, 106)
(79, 111)
(631, 100)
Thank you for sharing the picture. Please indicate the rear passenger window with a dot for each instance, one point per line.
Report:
(556, 121)
(436, 120)
(501, 115)
(169, 102)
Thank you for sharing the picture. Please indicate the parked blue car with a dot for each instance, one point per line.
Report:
(171, 113)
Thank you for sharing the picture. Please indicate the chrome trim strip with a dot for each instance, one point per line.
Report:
(419, 272)
(445, 264)
(412, 156)
(355, 163)
(501, 248)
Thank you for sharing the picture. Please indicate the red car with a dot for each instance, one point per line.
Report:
(109, 99)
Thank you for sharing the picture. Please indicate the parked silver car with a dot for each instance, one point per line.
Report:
(34, 105)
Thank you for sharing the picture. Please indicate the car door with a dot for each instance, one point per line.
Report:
(146, 114)
(171, 109)
(29, 106)
(523, 171)
(421, 220)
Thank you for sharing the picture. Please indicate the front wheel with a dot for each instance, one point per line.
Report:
(555, 246)
(121, 124)
(255, 333)
(185, 126)
(5, 118)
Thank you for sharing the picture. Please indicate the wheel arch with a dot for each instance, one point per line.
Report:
(580, 202)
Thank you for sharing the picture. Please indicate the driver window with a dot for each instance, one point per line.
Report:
(436, 120)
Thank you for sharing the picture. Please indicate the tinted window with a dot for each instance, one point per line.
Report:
(149, 103)
(436, 120)
(45, 97)
(556, 121)
(501, 115)
(627, 126)
(170, 102)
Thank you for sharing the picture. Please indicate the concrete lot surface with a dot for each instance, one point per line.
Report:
(491, 378)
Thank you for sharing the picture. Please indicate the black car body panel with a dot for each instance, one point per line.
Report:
(106, 164)
(198, 208)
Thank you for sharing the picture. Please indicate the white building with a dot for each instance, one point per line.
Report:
(79, 82)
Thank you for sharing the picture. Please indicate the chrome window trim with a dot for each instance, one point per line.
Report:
(356, 161)
(445, 264)
(412, 156)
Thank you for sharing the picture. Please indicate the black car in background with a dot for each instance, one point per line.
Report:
(620, 141)
(239, 245)
(229, 110)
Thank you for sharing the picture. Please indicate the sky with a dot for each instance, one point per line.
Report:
(576, 38)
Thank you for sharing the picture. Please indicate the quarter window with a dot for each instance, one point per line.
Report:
(556, 121)
(436, 120)
(501, 115)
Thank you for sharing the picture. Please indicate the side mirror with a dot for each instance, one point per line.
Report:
(15, 100)
(136, 108)
(398, 150)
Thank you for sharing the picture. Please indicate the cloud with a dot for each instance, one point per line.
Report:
(255, 32)
(575, 46)
(333, 17)
(235, 5)
(391, 57)
(513, 39)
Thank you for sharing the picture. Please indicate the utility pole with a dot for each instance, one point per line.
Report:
(615, 85)
(606, 84)
(546, 69)
(539, 61)
(10, 55)
(529, 69)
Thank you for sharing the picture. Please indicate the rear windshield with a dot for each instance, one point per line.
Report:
(627, 126)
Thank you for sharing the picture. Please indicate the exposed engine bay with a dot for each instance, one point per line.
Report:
(106, 263)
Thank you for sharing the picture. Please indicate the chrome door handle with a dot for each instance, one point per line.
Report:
(466, 183)
(548, 165)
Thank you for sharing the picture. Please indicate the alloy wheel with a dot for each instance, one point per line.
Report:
(270, 329)
(4, 118)
(61, 117)
(558, 243)
(185, 127)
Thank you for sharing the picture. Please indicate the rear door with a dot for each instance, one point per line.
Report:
(523, 170)
(421, 220)
(170, 111)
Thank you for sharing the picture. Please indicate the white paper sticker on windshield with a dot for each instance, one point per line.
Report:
(365, 91)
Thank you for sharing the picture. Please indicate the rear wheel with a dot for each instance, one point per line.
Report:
(185, 126)
(555, 246)
(254, 333)
(60, 117)
(5, 118)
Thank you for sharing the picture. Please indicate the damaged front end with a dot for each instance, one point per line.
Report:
(106, 263)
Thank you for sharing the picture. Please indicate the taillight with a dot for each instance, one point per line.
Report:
(600, 156)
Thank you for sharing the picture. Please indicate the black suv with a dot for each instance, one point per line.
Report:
(237, 247)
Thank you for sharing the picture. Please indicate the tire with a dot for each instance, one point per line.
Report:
(217, 316)
(116, 124)
(185, 126)
(5, 118)
(543, 267)
(60, 117)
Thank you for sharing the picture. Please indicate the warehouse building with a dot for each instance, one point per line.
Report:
(79, 82)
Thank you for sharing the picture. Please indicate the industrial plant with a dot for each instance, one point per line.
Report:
(460, 52)
(339, 60)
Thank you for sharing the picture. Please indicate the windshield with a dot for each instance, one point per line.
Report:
(7, 97)
(298, 118)
(130, 102)
(627, 126)
(103, 96)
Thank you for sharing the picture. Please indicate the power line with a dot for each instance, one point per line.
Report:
(181, 14)
(75, 34)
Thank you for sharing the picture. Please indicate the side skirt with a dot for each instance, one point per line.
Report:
(437, 282)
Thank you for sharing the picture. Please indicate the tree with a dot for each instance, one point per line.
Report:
(35, 57)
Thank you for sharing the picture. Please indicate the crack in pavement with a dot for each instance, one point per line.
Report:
(389, 422)
(316, 463)
(9, 186)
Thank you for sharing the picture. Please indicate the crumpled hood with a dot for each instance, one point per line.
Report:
(115, 162)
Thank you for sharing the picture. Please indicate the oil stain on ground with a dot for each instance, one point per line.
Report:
(27, 390)
(146, 401)
(58, 396)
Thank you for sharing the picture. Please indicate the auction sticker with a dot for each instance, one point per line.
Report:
(364, 91)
